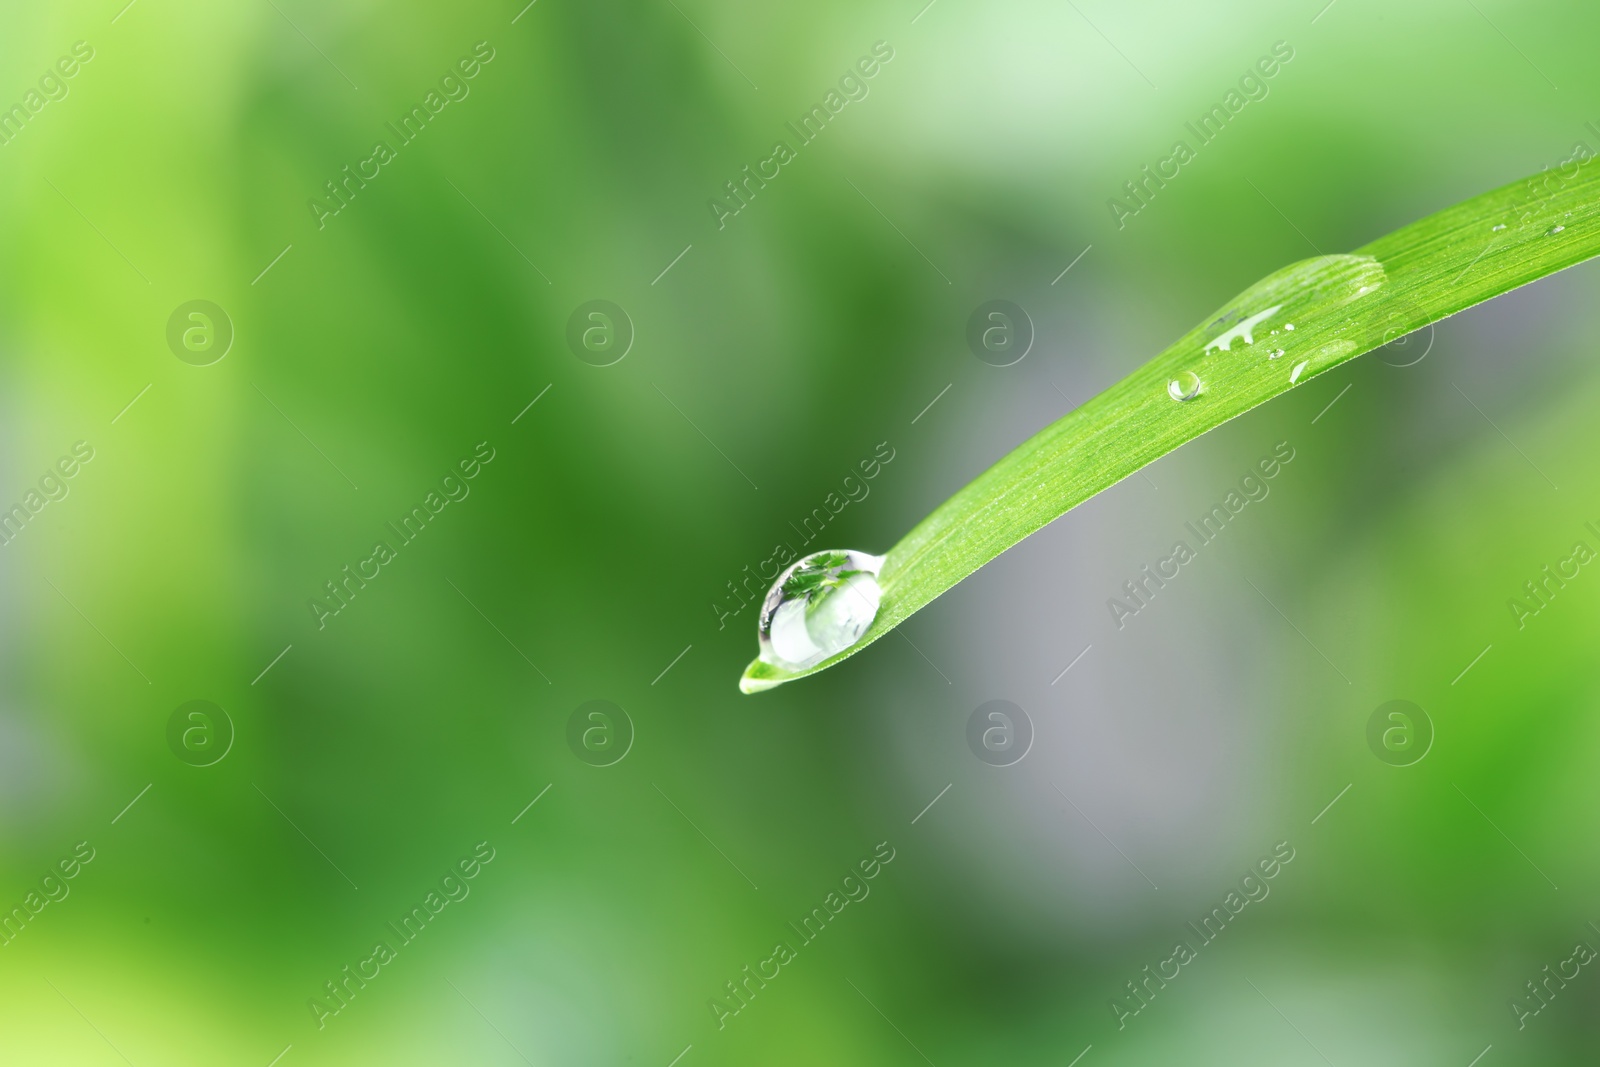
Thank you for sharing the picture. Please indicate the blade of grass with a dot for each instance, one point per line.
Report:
(1289, 327)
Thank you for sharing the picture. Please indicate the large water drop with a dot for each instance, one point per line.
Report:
(819, 607)
(1186, 386)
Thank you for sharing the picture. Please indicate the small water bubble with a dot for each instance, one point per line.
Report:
(1288, 326)
(1552, 231)
(1186, 386)
(1500, 227)
(1276, 353)
(819, 607)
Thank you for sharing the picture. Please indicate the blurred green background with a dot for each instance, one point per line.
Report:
(372, 354)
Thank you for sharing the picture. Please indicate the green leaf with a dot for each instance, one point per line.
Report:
(1340, 306)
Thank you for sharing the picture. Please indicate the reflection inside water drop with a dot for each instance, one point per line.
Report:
(1186, 386)
(819, 607)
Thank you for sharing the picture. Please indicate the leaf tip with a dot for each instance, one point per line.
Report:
(759, 677)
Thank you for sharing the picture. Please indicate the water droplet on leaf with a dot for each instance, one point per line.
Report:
(1500, 227)
(819, 607)
(1186, 386)
(1276, 353)
(1299, 369)
(1243, 331)
(1552, 231)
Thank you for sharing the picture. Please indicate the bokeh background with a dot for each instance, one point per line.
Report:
(769, 357)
